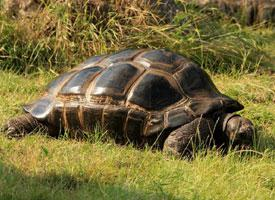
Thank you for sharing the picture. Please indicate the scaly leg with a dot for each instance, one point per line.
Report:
(185, 140)
(20, 126)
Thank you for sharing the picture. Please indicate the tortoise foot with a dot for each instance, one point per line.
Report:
(20, 126)
(11, 130)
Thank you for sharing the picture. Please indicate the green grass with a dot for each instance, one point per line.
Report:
(61, 35)
(39, 167)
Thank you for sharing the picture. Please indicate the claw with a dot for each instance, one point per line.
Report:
(20, 126)
(10, 131)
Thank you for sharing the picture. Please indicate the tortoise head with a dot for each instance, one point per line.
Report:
(239, 130)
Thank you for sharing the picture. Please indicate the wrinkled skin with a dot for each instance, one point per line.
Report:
(202, 132)
(23, 125)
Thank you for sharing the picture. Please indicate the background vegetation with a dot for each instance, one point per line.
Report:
(36, 47)
(63, 34)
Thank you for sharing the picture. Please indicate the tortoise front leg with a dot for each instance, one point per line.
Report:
(20, 126)
(185, 140)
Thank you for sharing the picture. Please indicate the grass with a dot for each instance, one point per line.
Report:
(39, 167)
(63, 35)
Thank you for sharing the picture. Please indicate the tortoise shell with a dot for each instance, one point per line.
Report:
(134, 92)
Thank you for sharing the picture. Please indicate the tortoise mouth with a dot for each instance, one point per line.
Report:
(245, 133)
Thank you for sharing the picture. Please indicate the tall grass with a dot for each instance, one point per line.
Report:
(63, 34)
(59, 35)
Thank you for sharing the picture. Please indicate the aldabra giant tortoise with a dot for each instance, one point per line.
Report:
(140, 96)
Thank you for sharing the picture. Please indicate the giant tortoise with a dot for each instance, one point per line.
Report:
(140, 96)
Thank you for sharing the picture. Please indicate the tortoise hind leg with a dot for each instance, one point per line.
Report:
(23, 125)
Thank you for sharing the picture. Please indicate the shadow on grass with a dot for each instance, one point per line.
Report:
(15, 184)
(266, 142)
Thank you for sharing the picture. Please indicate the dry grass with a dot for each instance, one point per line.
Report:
(38, 167)
(64, 34)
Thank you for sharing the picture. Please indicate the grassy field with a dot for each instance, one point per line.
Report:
(38, 167)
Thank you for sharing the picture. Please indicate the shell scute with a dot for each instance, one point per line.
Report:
(115, 80)
(205, 98)
(155, 124)
(196, 83)
(76, 84)
(134, 126)
(154, 92)
(92, 116)
(91, 61)
(56, 117)
(122, 56)
(54, 86)
(114, 118)
(71, 115)
(41, 108)
(161, 59)
(178, 116)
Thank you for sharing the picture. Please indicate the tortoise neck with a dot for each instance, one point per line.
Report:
(224, 119)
